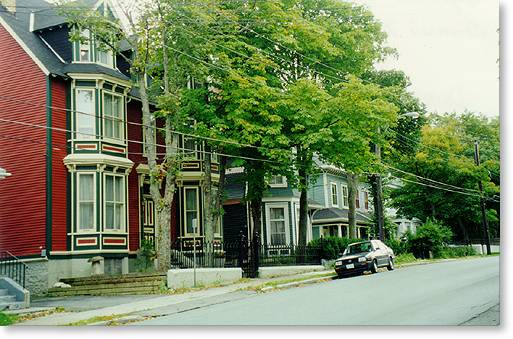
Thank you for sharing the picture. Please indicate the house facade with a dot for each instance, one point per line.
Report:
(71, 136)
(328, 208)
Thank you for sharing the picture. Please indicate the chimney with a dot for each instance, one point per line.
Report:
(10, 5)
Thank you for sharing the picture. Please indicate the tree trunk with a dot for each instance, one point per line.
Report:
(207, 192)
(377, 198)
(352, 183)
(463, 231)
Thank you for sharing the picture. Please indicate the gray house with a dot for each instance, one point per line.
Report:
(328, 208)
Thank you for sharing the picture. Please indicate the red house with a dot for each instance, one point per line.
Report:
(70, 135)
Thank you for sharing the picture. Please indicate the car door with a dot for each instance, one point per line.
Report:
(381, 253)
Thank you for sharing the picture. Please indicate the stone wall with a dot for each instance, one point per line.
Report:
(36, 276)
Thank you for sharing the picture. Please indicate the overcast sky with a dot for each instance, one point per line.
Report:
(448, 48)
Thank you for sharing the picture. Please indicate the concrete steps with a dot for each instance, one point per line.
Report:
(111, 285)
(8, 302)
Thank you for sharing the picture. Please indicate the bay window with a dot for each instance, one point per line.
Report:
(85, 114)
(86, 202)
(104, 55)
(114, 202)
(114, 116)
(85, 46)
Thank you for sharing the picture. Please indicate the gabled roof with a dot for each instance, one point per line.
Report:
(49, 17)
(18, 24)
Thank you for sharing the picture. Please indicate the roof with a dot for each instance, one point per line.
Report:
(46, 18)
(19, 23)
(334, 214)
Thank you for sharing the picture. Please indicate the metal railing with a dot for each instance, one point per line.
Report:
(239, 253)
(12, 267)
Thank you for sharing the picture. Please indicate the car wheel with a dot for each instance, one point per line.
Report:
(390, 266)
(374, 267)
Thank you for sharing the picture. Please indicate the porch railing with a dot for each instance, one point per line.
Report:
(12, 267)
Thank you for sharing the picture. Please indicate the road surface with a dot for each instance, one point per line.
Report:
(462, 292)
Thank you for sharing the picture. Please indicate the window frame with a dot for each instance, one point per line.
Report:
(184, 210)
(81, 112)
(285, 208)
(78, 228)
(345, 196)
(85, 33)
(122, 122)
(122, 229)
(190, 154)
(333, 202)
(366, 200)
(283, 184)
(358, 198)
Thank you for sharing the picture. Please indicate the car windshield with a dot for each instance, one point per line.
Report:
(359, 248)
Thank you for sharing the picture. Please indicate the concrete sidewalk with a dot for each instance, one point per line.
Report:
(112, 306)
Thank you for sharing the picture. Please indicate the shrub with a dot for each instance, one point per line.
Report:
(145, 257)
(404, 258)
(432, 237)
(457, 252)
(331, 247)
(6, 319)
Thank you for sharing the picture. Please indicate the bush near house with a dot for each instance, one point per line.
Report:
(331, 247)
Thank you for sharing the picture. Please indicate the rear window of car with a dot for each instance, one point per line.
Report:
(359, 248)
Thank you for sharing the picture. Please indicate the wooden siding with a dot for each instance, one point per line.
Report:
(135, 150)
(59, 171)
(22, 151)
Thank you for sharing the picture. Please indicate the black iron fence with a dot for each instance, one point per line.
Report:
(249, 255)
(12, 267)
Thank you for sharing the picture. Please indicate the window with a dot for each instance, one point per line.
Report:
(114, 116)
(85, 47)
(114, 202)
(278, 181)
(357, 199)
(189, 148)
(86, 202)
(85, 115)
(277, 223)
(191, 210)
(104, 55)
(366, 200)
(334, 195)
(345, 197)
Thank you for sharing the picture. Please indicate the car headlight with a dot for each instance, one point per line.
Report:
(338, 263)
(362, 259)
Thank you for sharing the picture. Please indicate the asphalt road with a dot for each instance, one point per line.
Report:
(462, 292)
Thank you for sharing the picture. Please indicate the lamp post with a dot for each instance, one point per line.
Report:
(378, 185)
(194, 227)
(4, 174)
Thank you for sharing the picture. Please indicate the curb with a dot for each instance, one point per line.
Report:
(297, 283)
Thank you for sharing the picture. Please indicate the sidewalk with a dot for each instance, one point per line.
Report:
(145, 303)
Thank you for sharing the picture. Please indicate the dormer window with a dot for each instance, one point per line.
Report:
(91, 50)
(85, 47)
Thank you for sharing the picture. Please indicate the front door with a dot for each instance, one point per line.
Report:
(148, 220)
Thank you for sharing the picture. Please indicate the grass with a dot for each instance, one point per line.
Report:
(275, 283)
(93, 320)
(7, 319)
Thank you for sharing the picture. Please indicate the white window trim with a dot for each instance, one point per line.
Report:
(268, 221)
(76, 133)
(334, 184)
(364, 192)
(282, 185)
(125, 203)
(190, 154)
(187, 234)
(343, 201)
(78, 230)
(104, 117)
(89, 45)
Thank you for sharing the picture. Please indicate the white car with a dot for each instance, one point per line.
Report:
(364, 256)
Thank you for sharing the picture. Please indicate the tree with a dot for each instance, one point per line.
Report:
(445, 155)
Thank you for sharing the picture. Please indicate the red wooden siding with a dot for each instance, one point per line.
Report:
(22, 150)
(59, 233)
(135, 154)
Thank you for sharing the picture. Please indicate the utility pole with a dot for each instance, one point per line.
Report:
(377, 187)
(486, 234)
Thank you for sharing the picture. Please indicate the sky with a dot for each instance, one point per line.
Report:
(448, 48)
